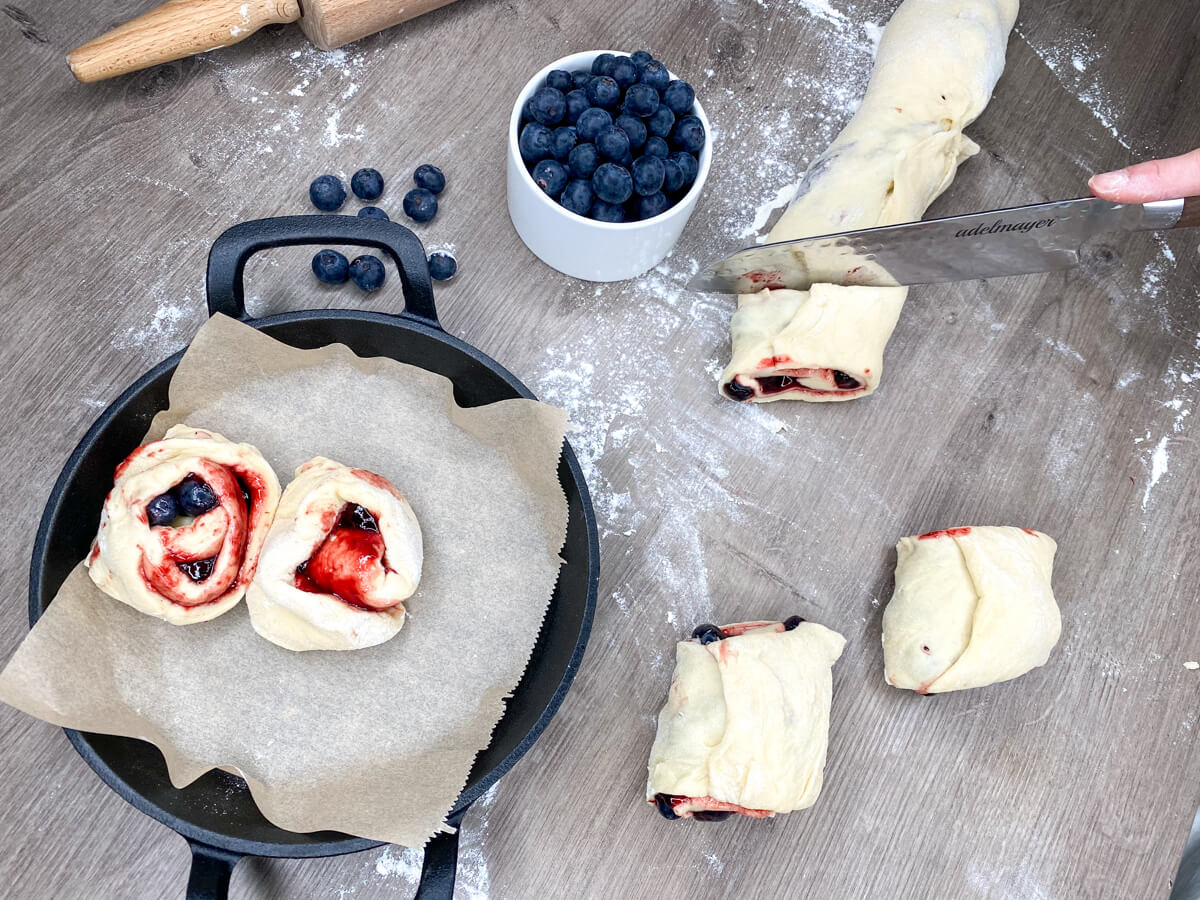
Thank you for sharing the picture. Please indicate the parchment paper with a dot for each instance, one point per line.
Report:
(377, 742)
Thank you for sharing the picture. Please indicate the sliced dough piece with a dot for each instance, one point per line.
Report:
(972, 606)
(746, 723)
(937, 64)
(195, 569)
(343, 556)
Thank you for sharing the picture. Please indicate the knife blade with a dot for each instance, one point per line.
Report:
(1041, 237)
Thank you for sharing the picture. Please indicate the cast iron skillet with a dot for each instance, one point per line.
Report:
(216, 813)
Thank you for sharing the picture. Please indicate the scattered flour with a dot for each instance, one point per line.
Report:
(1191, 664)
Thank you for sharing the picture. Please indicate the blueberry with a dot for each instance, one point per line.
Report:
(672, 176)
(551, 176)
(590, 124)
(330, 266)
(612, 143)
(688, 134)
(577, 197)
(162, 510)
(688, 164)
(373, 212)
(661, 123)
(626, 161)
(663, 803)
(735, 391)
(442, 265)
(607, 212)
(612, 183)
(656, 146)
(791, 622)
(641, 100)
(641, 57)
(603, 91)
(367, 272)
(600, 62)
(198, 569)
(581, 78)
(327, 193)
(844, 381)
(560, 80)
(655, 74)
(420, 205)
(707, 633)
(195, 496)
(577, 102)
(712, 815)
(635, 130)
(583, 160)
(430, 178)
(535, 142)
(367, 184)
(565, 139)
(549, 106)
(648, 175)
(678, 97)
(624, 72)
(651, 205)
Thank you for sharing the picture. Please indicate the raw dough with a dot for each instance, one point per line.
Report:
(746, 723)
(310, 511)
(937, 64)
(972, 606)
(138, 563)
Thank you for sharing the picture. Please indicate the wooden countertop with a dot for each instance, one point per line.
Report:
(1061, 402)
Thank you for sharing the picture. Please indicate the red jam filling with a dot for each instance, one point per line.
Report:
(945, 532)
(348, 563)
(703, 808)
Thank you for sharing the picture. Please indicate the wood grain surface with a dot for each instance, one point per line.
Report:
(1061, 402)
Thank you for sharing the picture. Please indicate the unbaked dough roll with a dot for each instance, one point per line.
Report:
(746, 723)
(937, 64)
(213, 502)
(972, 606)
(343, 556)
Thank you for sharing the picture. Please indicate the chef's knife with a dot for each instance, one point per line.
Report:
(1038, 238)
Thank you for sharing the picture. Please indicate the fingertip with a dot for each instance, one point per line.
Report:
(1107, 184)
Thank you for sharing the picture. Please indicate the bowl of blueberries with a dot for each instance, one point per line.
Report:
(607, 155)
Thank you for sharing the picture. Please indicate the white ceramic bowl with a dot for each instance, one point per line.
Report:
(582, 247)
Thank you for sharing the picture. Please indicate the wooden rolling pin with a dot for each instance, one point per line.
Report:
(182, 28)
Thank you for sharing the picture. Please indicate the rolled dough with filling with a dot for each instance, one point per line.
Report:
(192, 570)
(746, 722)
(972, 606)
(344, 554)
(937, 64)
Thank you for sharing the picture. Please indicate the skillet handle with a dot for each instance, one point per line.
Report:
(231, 249)
(441, 863)
(212, 868)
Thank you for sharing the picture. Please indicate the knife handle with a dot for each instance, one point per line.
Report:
(1190, 217)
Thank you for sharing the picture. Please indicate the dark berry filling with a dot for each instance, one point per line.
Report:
(663, 802)
(198, 569)
(844, 381)
(707, 633)
(712, 815)
(735, 391)
(791, 622)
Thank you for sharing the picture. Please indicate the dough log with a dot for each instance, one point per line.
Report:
(972, 606)
(937, 64)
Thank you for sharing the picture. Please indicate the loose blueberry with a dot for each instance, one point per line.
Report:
(624, 72)
(551, 176)
(612, 183)
(844, 381)
(430, 178)
(577, 102)
(581, 78)
(688, 164)
(565, 139)
(421, 205)
(591, 123)
(583, 160)
(641, 100)
(195, 496)
(712, 815)
(560, 80)
(578, 196)
(672, 176)
(641, 57)
(678, 97)
(607, 212)
(612, 143)
(162, 510)
(655, 74)
(373, 212)
(367, 184)
(600, 62)
(663, 803)
(549, 106)
(330, 266)
(327, 193)
(739, 392)
(442, 265)
(707, 633)
(688, 134)
(661, 123)
(791, 622)
(198, 569)
(535, 142)
(635, 130)
(648, 175)
(651, 205)
(656, 146)
(603, 91)
(367, 272)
